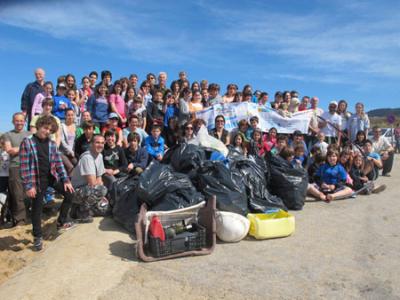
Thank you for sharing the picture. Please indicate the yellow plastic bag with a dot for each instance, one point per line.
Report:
(271, 225)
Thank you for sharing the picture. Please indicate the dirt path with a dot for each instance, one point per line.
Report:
(343, 250)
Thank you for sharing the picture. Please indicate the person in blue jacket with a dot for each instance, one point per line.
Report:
(330, 180)
(136, 156)
(155, 143)
(98, 106)
(61, 103)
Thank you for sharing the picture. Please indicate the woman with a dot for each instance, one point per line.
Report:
(124, 86)
(278, 99)
(68, 135)
(144, 92)
(345, 116)
(85, 92)
(37, 103)
(117, 103)
(188, 133)
(70, 82)
(230, 94)
(239, 143)
(172, 133)
(98, 107)
(219, 131)
(184, 113)
(195, 104)
(360, 139)
(271, 138)
(358, 121)
(175, 89)
(195, 86)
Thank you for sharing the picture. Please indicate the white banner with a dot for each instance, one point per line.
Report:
(234, 112)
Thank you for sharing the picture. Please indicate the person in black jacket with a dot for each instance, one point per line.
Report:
(115, 162)
(137, 157)
(82, 144)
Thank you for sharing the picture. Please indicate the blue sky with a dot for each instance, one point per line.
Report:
(336, 49)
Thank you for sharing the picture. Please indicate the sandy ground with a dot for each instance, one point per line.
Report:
(343, 250)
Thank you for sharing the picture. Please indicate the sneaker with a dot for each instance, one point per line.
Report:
(379, 188)
(65, 226)
(37, 243)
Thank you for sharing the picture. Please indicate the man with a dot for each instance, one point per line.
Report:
(30, 92)
(87, 180)
(106, 80)
(182, 78)
(162, 83)
(304, 103)
(16, 195)
(330, 124)
(40, 167)
(383, 147)
(133, 80)
(93, 78)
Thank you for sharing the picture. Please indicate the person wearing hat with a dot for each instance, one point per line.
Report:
(61, 103)
(112, 124)
(330, 124)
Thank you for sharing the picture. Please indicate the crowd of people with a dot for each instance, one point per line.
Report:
(79, 139)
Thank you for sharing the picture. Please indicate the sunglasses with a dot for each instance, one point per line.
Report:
(189, 128)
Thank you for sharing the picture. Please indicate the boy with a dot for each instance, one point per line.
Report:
(155, 143)
(281, 143)
(136, 156)
(321, 144)
(155, 114)
(41, 166)
(112, 124)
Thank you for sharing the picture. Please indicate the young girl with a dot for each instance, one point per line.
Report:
(257, 145)
(85, 92)
(117, 103)
(68, 130)
(271, 138)
(360, 179)
(98, 107)
(239, 143)
(37, 103)
(330, 180)
(195, 105)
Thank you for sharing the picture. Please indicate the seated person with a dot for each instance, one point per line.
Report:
(86, 116)
(242, 128)
(239, 143)
(321, 144)
(330, 180)
(374, 159)
(88, 184)
(82, 144)
(298, 140)
(115, 162)
(258, 146)
(300, 157)
(155, 143)
(136, 156)
(382, 146)
(219, 132)
(134, 125)
(360, 180)
(317, 160)
(281, 143)
(112, 124)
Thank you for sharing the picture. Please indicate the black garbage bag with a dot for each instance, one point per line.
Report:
(213, 178)
(253, 170)
(125, 202)
(287, 182)
(164, 189)
(185, 157)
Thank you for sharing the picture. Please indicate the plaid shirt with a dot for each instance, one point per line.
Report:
(29, 163)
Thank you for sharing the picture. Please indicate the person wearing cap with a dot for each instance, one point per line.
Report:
(30, 92)
(47, 105)
(330, 123)
(61, 103)
(112, 124)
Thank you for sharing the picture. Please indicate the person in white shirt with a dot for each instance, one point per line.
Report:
(330, 124)
(382, 146)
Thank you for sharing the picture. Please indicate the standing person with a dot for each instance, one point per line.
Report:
(68, 134)
(84, 93)
(263, 101)
(382, 146)
(170, 108)
(345, 115)
(37, 103)
(155, 114)
(184, 113)
(144, 93)
(358, 121)
(61, 102)
(230, 94)
(12, 142)
(98, 106)
(133, 81)
(82, 143)
(215, 97)
(397, 138)
(41, 166)
(106, 80)
(195, 104)
(93, 79)
(162, 83)
(30, 92)
(304, 103)
(331, 124)
(117, 103)
(87, 180)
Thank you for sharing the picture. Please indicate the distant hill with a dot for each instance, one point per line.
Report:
(384, 112)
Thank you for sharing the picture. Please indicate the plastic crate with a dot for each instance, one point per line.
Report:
(186, 241)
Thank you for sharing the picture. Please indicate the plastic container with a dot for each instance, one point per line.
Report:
(271, 225)
(194, 239)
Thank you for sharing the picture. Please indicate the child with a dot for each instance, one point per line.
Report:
(317, 160)
(281, 143)
(239, 144)
(155, 143)
(115, 162)
(287, 153)
(331, 179)
(113, 125)
(170, 109)
(136, 156)
(257, 144)
(360, 180)
(300, 158)
(321, 144)
(137, 108)
(117, 103)
(253, 125)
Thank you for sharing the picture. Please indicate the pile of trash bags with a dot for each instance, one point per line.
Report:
(190, 174)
